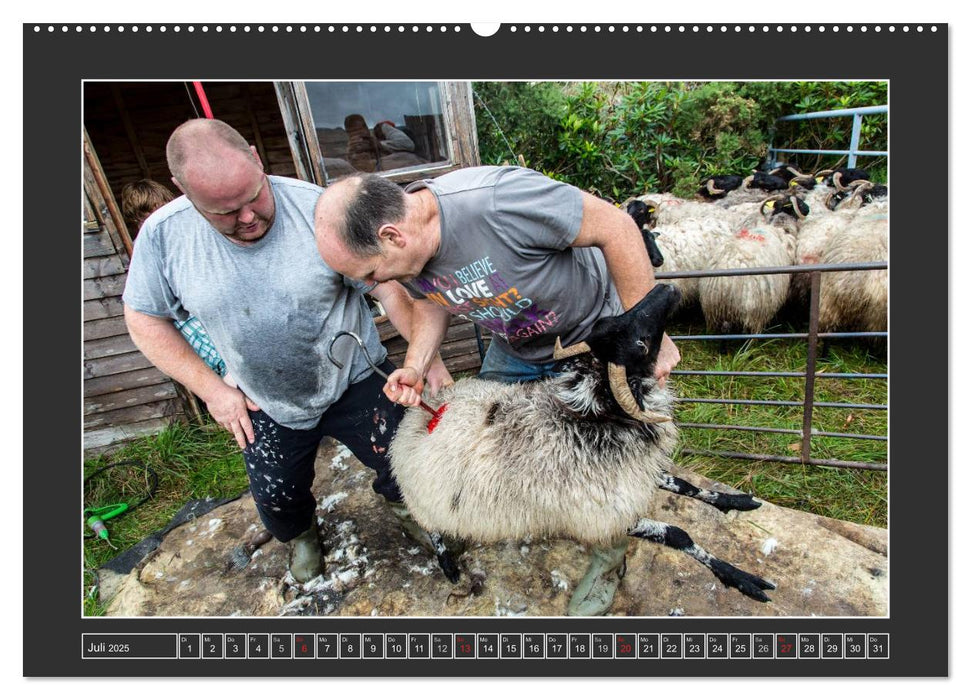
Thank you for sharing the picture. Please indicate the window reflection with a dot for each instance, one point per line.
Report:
(376, 127)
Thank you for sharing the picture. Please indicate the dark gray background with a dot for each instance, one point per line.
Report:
(916, 63)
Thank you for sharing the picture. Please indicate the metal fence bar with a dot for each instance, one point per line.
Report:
(783, 270)
(819, 375)
(781, 336)
(788, 460)
(785, 404)
(871, 154)
(783, 431)
(807, 411)
(876, 109)
(853, 153)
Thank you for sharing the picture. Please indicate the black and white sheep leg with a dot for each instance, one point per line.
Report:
(722, 501)
(445, 559)
(676, 538)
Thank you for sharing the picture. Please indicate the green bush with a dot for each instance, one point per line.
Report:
(623, 139)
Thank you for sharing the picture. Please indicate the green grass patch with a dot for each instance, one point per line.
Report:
(191, 462)
(848, 494)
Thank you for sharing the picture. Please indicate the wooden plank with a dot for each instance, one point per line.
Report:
(104, 440)
(115, 364)
(103, 267)
(100, 192)
(105, 328)
(131, 397)
(133, 414)
(97, 244)
(103, 308)
(108, 347)
(459, 113)
(291, 125)
(104, 287)
(149, 376)
(458, 329)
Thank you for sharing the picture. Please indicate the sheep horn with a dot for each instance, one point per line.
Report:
(617, 374)
(795, 207)
(712, 190)
(746, 182)
(770, 203)
(830, 204)
(561, 353)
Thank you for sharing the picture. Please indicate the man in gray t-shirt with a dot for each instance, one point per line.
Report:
(518, 253)
(238, 253)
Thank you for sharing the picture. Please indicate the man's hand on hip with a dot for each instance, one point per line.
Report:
(228, 406)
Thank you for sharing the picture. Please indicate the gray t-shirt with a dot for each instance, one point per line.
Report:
(271, 308)
(505, 261)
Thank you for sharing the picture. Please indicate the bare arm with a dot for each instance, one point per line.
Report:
(164, 346)
(615, 233)
(400, 308)
(429, 322)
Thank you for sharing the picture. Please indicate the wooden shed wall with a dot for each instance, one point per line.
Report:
(124, 395)
(130, 123)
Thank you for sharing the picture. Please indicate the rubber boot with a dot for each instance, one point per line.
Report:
(306, 555)
(419, 534)
(595, 593)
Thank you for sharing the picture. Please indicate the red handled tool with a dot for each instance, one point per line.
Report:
(435, 413)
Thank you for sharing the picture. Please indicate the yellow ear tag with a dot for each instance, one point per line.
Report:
(770, 205)
(819, 180)
(650, 210)
(792, 182)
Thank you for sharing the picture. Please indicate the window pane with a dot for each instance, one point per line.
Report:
(372, 127)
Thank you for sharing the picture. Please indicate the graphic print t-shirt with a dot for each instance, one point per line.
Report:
(505, 261)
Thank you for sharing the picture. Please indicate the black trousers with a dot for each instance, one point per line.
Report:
(280, 462)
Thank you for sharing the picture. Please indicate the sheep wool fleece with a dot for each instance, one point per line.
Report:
(271, 308)
(505, 261)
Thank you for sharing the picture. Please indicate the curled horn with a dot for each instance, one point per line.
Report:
(617, 375)
(561, 353)
(746, 182)
(795, 208)
(712, 190)
(831, 202)
(861, 187)
(767, 202)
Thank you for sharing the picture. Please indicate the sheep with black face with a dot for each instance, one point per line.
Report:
(580, 455)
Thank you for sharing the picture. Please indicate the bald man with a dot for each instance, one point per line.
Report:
(238, 252)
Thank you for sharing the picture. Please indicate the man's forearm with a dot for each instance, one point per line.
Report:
(428, 326)
(161, 342)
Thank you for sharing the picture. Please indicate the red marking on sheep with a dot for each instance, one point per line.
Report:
(745, 233)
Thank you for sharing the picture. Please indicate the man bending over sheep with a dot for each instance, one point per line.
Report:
(237, 252)
(519, 254)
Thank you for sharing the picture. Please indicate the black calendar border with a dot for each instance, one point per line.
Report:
(55, 64)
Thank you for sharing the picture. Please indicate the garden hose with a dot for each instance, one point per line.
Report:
(95, 517)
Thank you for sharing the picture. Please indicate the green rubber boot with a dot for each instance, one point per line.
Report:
(306, 555)
(419, 534)
(595, 593)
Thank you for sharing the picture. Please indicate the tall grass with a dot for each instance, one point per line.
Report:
(191, 462)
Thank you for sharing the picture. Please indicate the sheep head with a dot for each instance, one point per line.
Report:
(623, 351)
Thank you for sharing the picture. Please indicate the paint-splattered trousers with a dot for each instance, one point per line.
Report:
(280, 462)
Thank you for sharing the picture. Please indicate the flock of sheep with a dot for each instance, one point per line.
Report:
(770, 220)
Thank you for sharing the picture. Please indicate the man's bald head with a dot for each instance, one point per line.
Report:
(223, 178)
(200, 147)
(356, 207)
